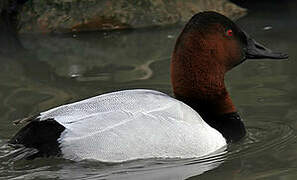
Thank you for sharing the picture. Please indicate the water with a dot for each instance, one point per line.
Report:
(60, 69)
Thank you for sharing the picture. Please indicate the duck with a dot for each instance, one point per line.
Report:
(126, 125)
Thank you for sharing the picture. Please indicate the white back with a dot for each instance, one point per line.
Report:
(133, 124)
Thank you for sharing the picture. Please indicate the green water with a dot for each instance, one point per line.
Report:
(65, 68)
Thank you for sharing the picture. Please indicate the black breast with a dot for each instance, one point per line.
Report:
(229, 125)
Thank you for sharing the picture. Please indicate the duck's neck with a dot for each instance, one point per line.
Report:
(220, 115)
(200, 82)
(198, 67)
(213, 105)
(211, 100)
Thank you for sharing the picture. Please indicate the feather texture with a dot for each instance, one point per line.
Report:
(133, 124)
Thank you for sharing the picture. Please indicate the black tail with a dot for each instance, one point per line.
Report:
(41, 135)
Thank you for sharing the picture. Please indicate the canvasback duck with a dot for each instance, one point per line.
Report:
(140, 124)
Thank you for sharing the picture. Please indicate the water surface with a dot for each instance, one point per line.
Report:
(59, 69)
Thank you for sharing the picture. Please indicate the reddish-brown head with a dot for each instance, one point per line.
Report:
(209, 46)
(206, 49)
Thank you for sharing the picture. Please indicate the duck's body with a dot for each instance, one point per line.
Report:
(132, 124)
(138, 124)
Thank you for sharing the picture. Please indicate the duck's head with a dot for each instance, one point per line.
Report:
(210, 45)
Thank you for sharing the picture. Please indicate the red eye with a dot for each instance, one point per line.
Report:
(229, 32)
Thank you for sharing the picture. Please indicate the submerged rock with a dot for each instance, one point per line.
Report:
(91, 15)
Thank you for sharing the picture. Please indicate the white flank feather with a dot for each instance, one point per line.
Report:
(133, 124)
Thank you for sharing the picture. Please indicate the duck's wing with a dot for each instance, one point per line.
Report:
(132, 124)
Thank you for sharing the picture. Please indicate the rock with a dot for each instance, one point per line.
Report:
(91, 15)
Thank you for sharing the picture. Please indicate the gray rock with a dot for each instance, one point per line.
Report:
(91, 15)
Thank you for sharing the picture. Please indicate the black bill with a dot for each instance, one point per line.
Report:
(255, 50)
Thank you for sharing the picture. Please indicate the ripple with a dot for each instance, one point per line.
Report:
(262, 136)
(138, 169)
(163, 168)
